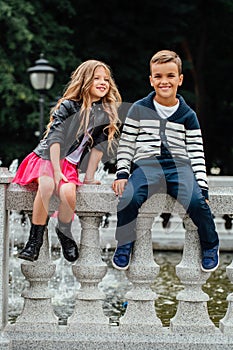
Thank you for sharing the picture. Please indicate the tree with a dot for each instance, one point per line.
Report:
(124, 34)
(27, 29)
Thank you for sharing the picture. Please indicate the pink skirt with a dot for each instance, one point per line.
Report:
(33, 167)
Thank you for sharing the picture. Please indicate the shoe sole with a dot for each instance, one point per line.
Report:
(213, 269)
(70, 260)
(119, 267)
(60, 240)
(26, 258)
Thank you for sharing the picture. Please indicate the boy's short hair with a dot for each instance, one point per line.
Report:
(164, 56)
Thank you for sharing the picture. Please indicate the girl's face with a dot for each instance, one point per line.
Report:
(165, 79)
(100, 85)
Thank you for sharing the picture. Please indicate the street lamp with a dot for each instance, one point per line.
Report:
(41, 78)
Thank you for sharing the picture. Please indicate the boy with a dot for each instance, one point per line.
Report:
(161, 143)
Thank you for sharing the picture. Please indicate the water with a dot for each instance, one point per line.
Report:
(115, 285)
(168, 285)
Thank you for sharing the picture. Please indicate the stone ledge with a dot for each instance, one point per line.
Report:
(115, 339)
(101, 199)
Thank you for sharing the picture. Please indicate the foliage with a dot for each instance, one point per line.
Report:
(124, 34)
(28, 29)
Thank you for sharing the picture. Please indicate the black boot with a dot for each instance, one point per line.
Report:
(32, 248)
(69, 247)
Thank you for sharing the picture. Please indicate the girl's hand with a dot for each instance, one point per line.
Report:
(91, 182)
(55, 160)
(58, 176)
(93, 163)
(118, 186)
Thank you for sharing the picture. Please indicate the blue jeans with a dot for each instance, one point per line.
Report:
(175, 177)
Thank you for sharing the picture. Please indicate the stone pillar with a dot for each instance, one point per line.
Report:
(89, 271)
(5, 179)
(226, 323)
(157, 231)
(192, 313)
(140, 315)
(107, 234)
(176, 226)
(169, 237)
(37, 313)
(220, 224)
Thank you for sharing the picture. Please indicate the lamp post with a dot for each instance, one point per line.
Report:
(41, 78)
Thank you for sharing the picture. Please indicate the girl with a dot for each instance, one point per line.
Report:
(84, 118)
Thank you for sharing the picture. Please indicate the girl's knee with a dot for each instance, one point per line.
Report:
(67, 193)
(46, 186)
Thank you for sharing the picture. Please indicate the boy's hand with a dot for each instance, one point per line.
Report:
(118, 186)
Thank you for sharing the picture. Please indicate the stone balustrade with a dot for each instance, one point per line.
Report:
(88, 328)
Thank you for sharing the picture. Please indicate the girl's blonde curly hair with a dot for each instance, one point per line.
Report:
(78, 90)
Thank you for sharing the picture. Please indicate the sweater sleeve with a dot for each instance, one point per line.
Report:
(127, 143)
(195, 150)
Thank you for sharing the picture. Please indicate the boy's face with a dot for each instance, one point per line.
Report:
(165, 79)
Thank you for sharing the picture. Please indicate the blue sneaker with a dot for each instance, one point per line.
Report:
(122, 255)
(210, 259)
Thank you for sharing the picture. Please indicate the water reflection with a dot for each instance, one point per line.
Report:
(219, 287)
(168, 285)
(115, 285)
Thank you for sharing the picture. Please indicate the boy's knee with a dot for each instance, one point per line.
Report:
(133, 201)
(198, 204)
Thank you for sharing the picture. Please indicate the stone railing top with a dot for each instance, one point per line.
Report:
(5, 176)
(90, 198)
(101, 199)
(221, 181)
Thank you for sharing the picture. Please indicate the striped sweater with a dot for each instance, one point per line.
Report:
(145, 135)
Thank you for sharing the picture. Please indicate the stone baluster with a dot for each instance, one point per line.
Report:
(5, 179)
(107, 234)
(175, 226)
(89, 271)
(157, 232)
(140, 315)
(192, 313)
(226, 323)
(169, 237)
(225, 236)
(37, 313)
(231, 223)
(220, 224)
